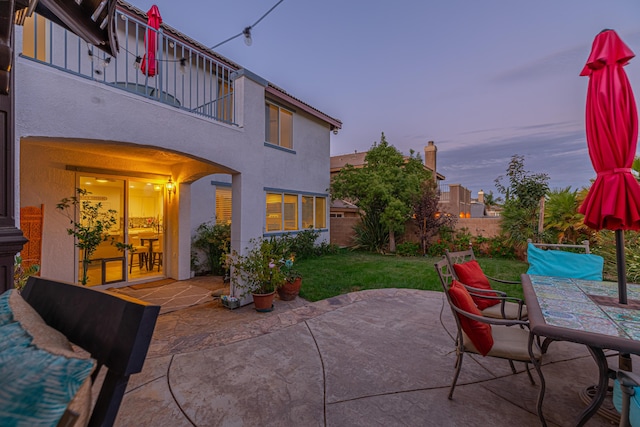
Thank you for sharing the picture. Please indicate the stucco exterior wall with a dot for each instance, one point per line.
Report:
(54, 106)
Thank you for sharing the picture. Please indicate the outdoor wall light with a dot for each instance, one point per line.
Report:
(171, 188)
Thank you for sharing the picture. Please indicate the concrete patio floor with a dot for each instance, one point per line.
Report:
(370, 358)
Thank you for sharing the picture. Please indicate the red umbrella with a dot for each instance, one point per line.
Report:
(613, 201)
(153, 21)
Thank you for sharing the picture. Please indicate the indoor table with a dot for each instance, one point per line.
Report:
(584, 312)
(150, 239)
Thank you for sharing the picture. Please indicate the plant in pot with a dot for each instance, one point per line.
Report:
(257, 272)
(292, 280)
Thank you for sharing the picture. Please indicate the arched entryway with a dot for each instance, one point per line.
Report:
(140, 184)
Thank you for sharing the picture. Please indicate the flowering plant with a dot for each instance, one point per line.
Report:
(290, 273)
(257, 271)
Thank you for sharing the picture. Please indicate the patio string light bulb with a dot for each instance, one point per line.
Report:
(247, 36)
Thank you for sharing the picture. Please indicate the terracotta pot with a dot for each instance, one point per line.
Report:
(290, 290)
(263, 302)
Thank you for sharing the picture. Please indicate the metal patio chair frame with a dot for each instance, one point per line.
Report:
(504, 332)
(509, 307)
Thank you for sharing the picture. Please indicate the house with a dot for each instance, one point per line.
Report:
(167, 143)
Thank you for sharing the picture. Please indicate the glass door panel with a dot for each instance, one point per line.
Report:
(103, 203)
(146, 228)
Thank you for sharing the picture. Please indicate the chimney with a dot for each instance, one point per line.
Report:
(430, 158)
(480, 196)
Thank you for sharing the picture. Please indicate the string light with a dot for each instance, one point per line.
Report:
(246, 32)
(104, 61)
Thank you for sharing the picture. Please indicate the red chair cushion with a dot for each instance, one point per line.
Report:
(470, 273)
(479, 333)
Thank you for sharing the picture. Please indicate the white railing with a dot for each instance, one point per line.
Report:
(186, 77)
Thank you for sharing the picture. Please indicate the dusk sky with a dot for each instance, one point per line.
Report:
(484, 79)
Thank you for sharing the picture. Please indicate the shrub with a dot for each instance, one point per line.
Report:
(213, 241)
(408, 249)
(370, 234)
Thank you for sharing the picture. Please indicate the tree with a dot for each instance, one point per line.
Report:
(490, 200)
(92, 227)
(384, 188)
(562, 218)
(427, 216)
(522, 197)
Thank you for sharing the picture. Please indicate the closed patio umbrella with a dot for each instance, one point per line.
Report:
(613, 201)
(148, 65)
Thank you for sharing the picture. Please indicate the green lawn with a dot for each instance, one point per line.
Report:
(331, 275)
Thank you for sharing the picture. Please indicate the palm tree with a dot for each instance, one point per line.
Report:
(562, 218)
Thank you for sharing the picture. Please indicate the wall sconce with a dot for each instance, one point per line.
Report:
(171, 188)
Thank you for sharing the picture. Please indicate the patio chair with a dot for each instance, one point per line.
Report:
(626, 398)
(491, 302)
(489, 337)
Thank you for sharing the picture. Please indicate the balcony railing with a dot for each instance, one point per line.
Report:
(185, 78)
(443, 192)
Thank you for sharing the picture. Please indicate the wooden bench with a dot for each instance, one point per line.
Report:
(115, 330)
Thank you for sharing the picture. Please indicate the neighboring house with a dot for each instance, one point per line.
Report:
(478, 210)
(454, 198)
(200, 138)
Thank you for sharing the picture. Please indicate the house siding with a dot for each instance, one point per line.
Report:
(54, 107)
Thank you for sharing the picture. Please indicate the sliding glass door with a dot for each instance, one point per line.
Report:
(134, 209)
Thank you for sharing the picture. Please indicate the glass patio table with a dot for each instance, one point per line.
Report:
(584, 312)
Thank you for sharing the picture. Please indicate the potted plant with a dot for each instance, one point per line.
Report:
(257, 272)
(91, 228)
(292, 280)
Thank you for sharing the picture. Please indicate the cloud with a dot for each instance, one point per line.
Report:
(557, 149)
(554, 64)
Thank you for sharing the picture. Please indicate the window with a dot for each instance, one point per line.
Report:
(279, 126)
(224, 103)
(307, 212)
(274, 212)
(223, 205)
(282, 212)
(290, 212)
(34, 37)
(314, 212)
(321, 212)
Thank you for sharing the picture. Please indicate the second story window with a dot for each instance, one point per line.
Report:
(279, 126)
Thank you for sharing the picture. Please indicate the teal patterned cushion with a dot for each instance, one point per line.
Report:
(36, 384)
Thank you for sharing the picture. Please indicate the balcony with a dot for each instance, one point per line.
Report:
(188, 77)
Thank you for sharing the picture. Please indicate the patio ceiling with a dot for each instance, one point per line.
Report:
(117, 158)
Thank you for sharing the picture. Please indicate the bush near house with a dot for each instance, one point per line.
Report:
(213, 242)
